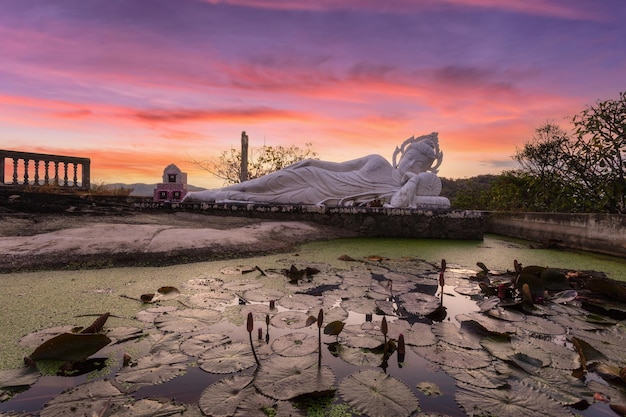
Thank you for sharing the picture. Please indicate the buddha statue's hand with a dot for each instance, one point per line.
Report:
(405, 195)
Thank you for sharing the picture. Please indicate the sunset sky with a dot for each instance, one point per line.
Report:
(138, 84)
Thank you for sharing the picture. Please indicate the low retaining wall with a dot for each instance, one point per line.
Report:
(602, 233)
(366, 221)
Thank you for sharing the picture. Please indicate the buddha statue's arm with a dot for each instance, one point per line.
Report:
(347, 166)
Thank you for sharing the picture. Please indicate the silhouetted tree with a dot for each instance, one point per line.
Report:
(261, 161)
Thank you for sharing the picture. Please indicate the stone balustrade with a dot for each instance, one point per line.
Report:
(38, 169)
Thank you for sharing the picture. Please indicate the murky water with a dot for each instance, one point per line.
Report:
(496, 252)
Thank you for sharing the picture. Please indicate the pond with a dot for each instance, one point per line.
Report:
(466, 350)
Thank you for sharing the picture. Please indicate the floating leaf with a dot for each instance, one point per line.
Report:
(119, 335)
(242, 286)
(377, 394)
(295, 344)
(263, 295)
(13, 379)
(560, 386)
(560, 356)
(419, 303)
(456, 357)
(187, 320)
(227, 358)
(290, 320)
(70, 347)
(301, 302)
(92, 398)
(146, 407)
(360, 305)
(354, 336)
(540, 325)
(154, 369)
(429, 388)
(334, 328)
(489, 324)
(360, 357)
(506, 314)
(482, 377)
(420, 334)
(518, 400)
(198, 344)
(285, 378)
(461, 337)
(222, 398)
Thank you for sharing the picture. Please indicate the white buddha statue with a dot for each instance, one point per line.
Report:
(411, 182)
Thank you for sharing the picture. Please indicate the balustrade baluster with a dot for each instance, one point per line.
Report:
(26, 171)
(36, 180)
(75, 175)
(46, 178)
(65, 164)
(56, 173)
(15, 171)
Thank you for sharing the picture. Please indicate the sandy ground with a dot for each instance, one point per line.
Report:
(65, 241)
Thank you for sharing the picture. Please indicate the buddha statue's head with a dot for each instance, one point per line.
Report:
(418, 157)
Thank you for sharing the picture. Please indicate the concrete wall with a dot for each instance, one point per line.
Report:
(602, 233)
(366, 221)
(362, 221)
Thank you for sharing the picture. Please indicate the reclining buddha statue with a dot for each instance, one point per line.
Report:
(370, 180)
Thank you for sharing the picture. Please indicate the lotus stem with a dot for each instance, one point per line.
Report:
(250, 327)
(320, 321)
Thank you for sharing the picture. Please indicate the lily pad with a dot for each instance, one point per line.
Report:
(85, 400)
(354, 336)
(290, 320)
(285, 378)
(146, 407)
(359, 357)
(419, 303)
(518, 400)
(377, 394)
(222, 398)
(12, 379)
(198, 344)
(488, 323)
(295, 344)
(360, 305)
(429, 388)
(420, 334)
(450, 333)
(227, 358)
(187, 320)
(263, 295)
(154, 369)
(452, 356)
(300, 302)
(482, 377)
(150, 314)
(242, 286)
(539, 325)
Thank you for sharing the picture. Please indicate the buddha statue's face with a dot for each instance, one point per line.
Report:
(414, 161)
